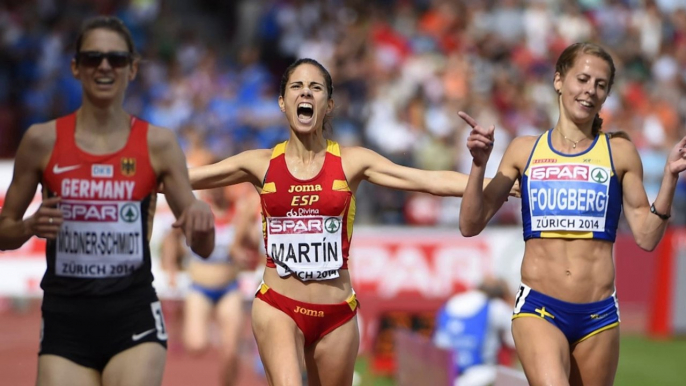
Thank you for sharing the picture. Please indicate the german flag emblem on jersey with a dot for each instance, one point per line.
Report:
(128, 166)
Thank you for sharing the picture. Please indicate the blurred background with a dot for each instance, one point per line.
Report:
(402, 69)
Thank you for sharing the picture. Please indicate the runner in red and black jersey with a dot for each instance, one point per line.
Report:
(99, 169)
(306, 307)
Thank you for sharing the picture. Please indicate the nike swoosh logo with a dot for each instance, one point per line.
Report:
(142, 335)
(58, 170)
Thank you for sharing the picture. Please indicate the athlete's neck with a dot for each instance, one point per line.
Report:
(572, 136)
(306, 146)
(102, 120)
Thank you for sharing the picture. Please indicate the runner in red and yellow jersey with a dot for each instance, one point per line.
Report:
(306, 306)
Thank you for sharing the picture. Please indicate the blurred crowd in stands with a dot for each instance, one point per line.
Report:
(402, 69)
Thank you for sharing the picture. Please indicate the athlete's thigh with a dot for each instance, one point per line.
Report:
(543, 350)
(197, 314)
(141, 365)
(229, 315)
(54, 370)
(279, 342)
(595, 360)
(331, 360)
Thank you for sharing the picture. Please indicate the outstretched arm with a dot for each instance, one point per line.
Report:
(193, 216)
(647, 228)
(32, 155)
(363, 164)
(248, 166)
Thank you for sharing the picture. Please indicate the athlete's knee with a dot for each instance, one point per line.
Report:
(196, 347)
(546, 377)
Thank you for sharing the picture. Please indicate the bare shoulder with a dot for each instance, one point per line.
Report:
(357, 154)
(254, 162)
(41, 136)
(524, 143)
(160, 137)
(356, 159)
(36, 145)
(519, 150)
(621, 144)
(624, 154)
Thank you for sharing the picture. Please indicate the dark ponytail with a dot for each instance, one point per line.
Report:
(619, 134)
(597, 125)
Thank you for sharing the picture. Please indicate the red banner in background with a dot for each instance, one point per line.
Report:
(425, 263)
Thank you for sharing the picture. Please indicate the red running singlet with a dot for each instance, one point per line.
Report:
(108, 204)
(307, 224)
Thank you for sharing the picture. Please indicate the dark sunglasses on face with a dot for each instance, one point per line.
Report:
(116, 59)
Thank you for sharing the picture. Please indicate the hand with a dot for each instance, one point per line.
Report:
(197, 221)
(47, 220)
(516, 190)
(676, 161)
(480, 140)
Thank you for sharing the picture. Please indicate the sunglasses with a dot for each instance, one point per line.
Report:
(116, 59)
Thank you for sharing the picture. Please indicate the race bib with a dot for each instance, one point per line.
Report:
(99, 239)
(308, 247)
(570, 197)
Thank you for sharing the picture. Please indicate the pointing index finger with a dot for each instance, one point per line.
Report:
(470, 121)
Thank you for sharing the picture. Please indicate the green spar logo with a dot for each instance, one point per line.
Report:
(332, 224)
(129, 212)
(599, 175)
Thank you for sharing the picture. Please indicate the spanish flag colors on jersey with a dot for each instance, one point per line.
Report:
(307, 224)
(571, 196)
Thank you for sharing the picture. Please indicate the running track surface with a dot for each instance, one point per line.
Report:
(19, 331)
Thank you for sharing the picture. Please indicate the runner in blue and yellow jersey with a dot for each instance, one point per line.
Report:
(575, 180)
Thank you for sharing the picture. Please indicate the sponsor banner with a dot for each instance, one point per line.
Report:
(431, 263)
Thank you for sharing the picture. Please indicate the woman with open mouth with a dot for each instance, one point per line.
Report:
(304, 314)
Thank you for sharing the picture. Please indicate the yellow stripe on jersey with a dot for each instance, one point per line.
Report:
(340, 185)
(269, 187)
(279, 149)
(566, 235)
(333, 148)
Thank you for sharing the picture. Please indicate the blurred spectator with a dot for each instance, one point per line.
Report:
(476, 325)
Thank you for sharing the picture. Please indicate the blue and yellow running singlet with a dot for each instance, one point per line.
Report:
(571, 196)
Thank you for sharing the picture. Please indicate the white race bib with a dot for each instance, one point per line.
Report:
(99, 239)
(308, 247)
(569, 197)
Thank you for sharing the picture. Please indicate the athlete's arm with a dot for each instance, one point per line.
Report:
(248, 166)
(646, 227)
(32, 156)
(363, 164)
(193, 216)
(480, 205)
